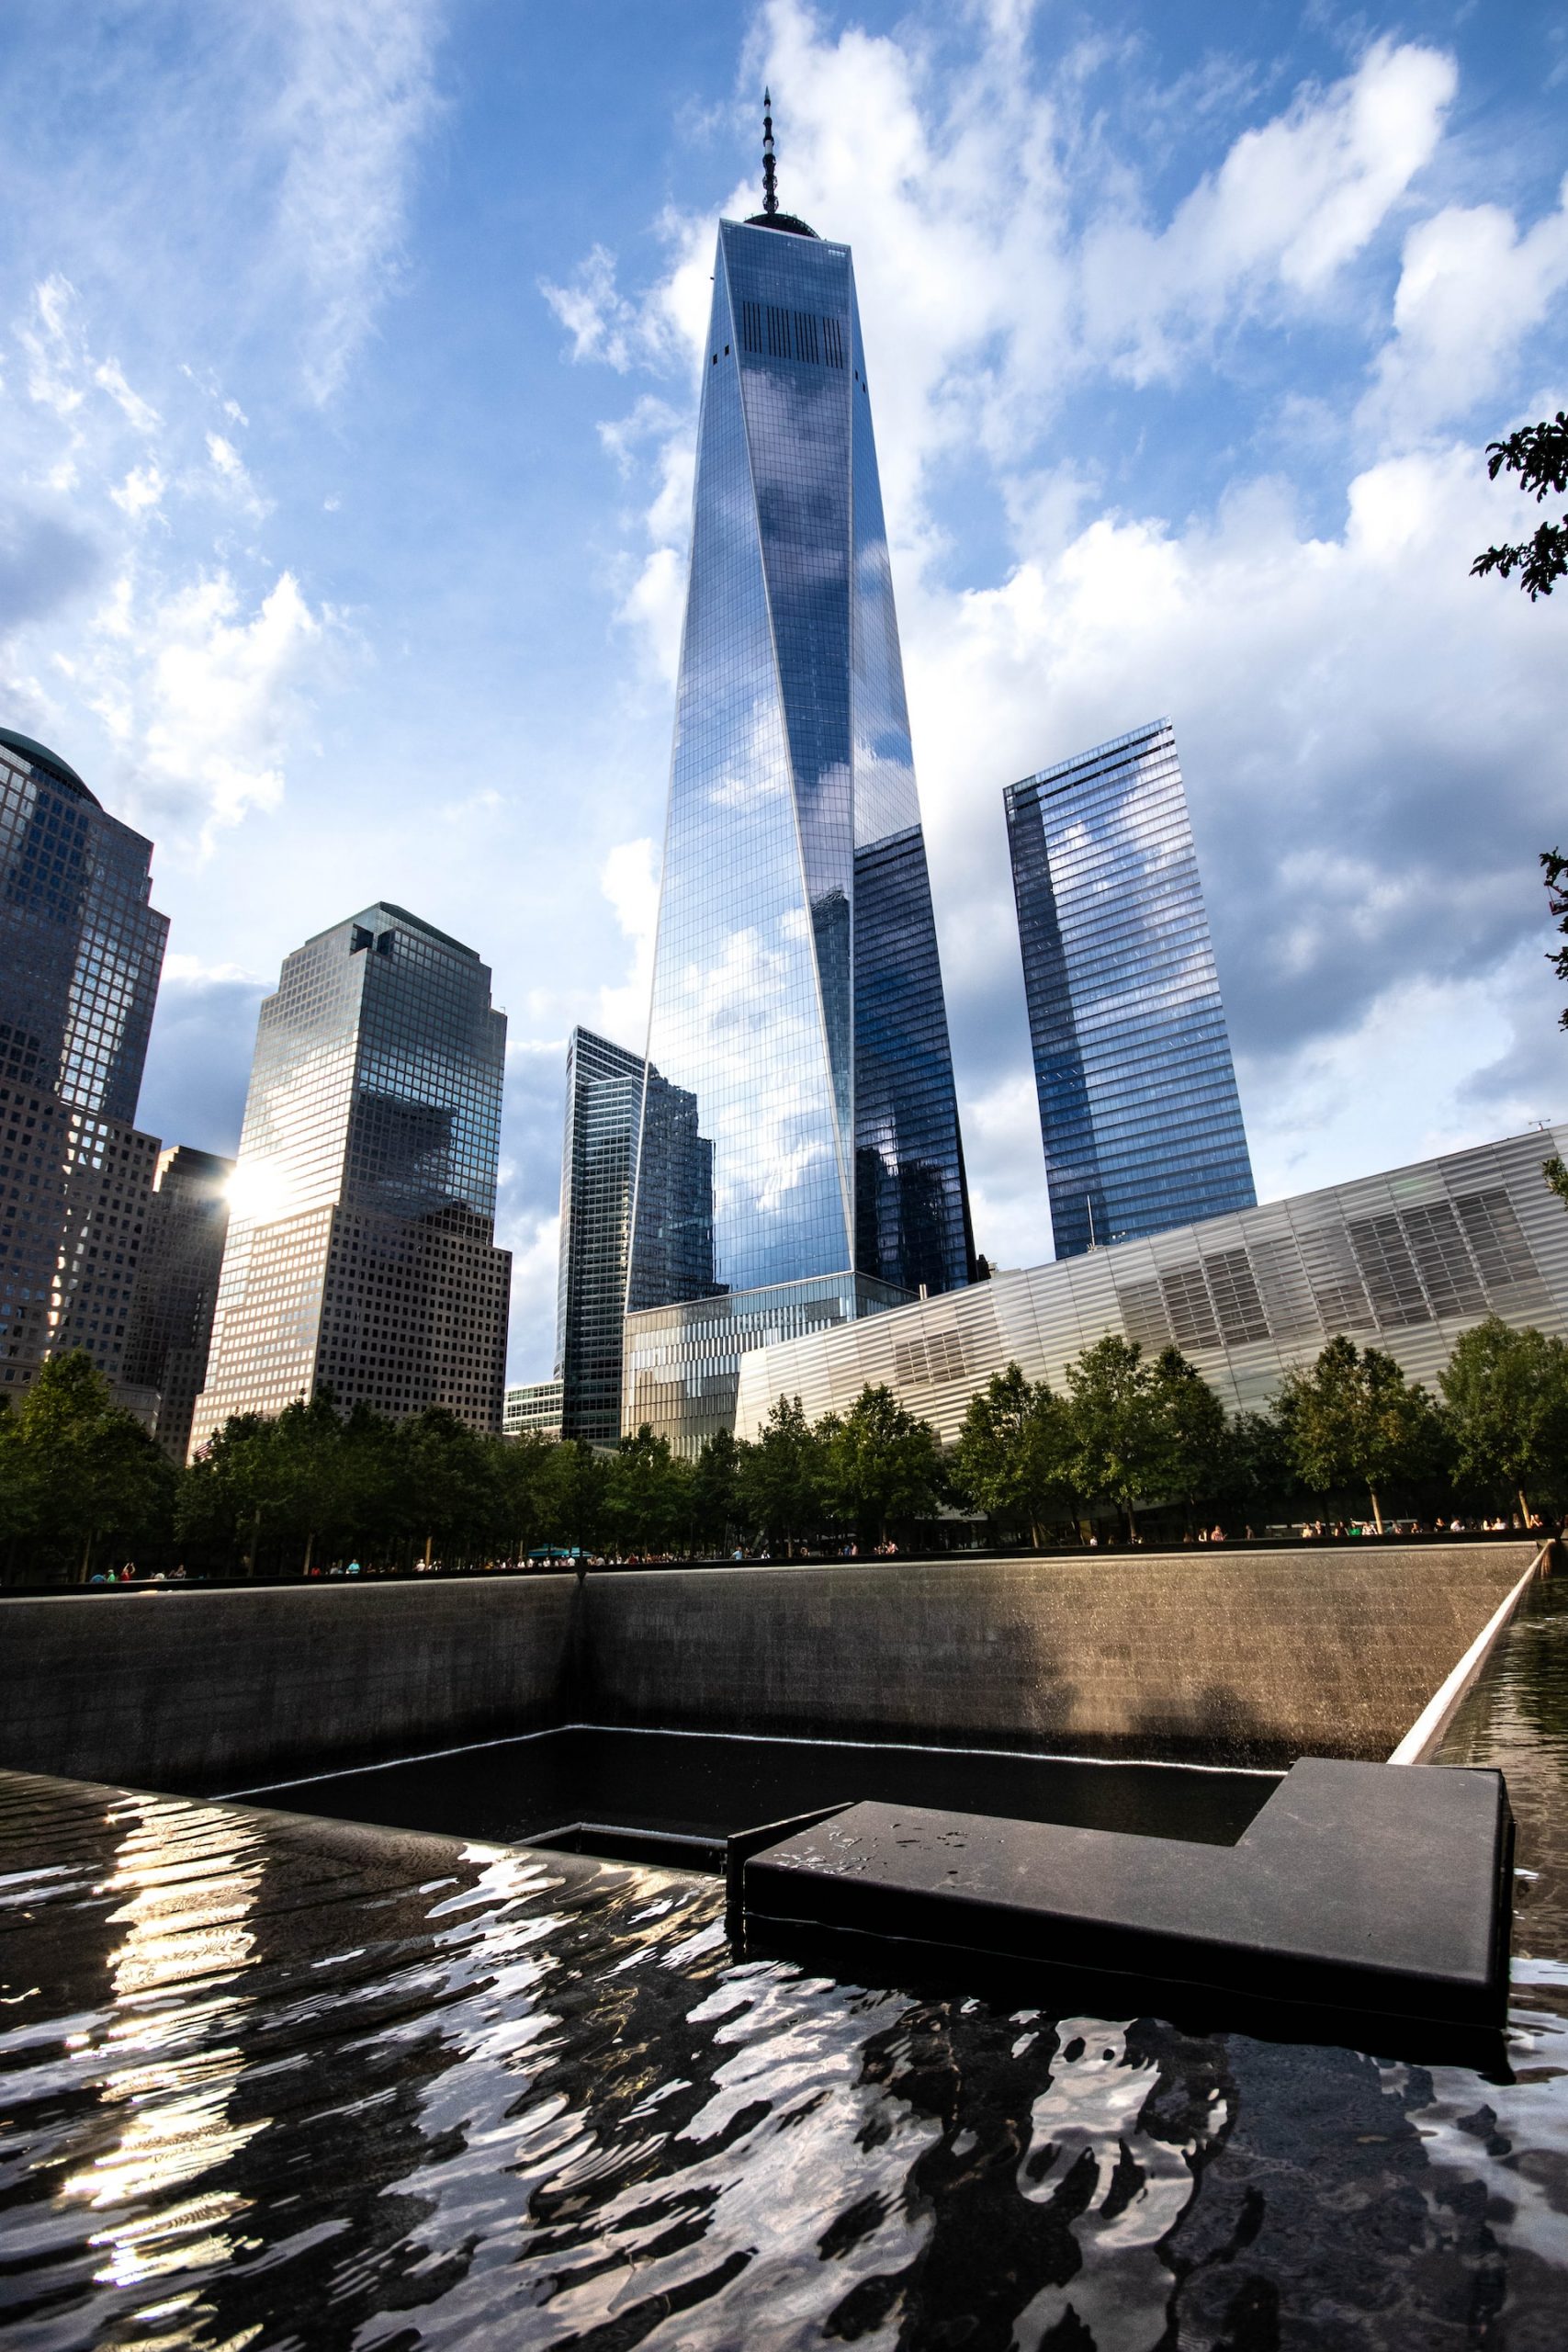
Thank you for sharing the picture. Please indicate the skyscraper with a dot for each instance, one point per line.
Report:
(604, 1106)
(1138, 1103)
(360, 1255)
(81, 951)
(170, 1327)
(797, 1016)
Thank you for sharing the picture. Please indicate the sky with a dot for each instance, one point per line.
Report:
(349, 355)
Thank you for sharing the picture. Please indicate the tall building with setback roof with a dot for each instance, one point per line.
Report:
(176, 1288)
(361, 1254)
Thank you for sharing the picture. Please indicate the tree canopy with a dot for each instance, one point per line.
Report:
(1538, 455)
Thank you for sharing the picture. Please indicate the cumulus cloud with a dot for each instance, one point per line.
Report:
(1471, 289)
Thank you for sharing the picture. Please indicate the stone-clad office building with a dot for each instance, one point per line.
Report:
(361, 1254)
(1405, 1262)
(80, 952)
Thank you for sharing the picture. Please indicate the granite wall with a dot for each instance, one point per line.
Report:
(1229, 1655)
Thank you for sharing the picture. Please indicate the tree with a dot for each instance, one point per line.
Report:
(647, 1498)
(779, 1476)
(880, 1464)
(1507, 1394)
(716, 1490)
(82, 1469)
(1191, 1423)
(1538, 454)
(1011, 1457)
(1354, 1418)
(1120, 1446)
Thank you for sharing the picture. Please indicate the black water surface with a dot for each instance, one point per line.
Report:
(708, 1786)
(271, 2081)
(1516, 1718)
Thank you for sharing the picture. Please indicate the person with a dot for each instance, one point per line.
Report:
(354, 1567)
(128, 1574)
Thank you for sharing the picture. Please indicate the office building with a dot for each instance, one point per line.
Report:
(81, 952)
(170, 1326)
(532, 1409)
(1403, 1261)
(797, 1014)
(603, 1107)
(361, 1255)
(1138, 1103)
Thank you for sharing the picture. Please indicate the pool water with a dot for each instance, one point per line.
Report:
(271, 2080)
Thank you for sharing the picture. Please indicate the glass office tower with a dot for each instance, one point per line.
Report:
(603, 1105)
(80, 952)
(361, 1253)
(170, 1327)
(1138, 1103)
(797, 1013)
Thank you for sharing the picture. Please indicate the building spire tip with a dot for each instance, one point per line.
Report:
(770, 191)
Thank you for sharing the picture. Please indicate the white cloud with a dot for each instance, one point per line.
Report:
(141, 490)
(629, 880)
(231, 470)
(359, 95)
(200, 696)
(1470, 288)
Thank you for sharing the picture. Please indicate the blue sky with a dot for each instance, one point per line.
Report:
(347, 379)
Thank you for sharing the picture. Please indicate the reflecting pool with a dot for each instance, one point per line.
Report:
(272, 2080)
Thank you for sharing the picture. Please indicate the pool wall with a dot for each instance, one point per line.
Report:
(1231, 1657)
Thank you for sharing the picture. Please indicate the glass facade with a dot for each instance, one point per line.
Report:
(170, 1326)
(603, 1105)
(81, 952)
(1405, 1261)
(534, 1409)
(360, 1254)
(808, 1129)
(1138, 1103)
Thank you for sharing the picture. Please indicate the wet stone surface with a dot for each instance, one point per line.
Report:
(272, 2081)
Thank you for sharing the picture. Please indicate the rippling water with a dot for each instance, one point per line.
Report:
(278, 2082)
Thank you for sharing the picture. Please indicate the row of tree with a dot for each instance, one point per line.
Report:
(81, 1483)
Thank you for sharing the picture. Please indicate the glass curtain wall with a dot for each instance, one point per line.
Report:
(798, 1005)
(1138, 1105)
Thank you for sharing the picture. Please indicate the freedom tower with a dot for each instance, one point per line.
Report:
(799, 1162)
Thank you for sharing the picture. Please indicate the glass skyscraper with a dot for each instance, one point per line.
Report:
(80, 952)
(800, 1160)
(361, 1253)
(170, 1328)
(1138, 1103)
(603, 1105)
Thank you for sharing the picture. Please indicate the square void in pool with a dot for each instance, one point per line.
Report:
(679, 1796)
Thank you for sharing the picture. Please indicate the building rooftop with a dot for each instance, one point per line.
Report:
(38, 755)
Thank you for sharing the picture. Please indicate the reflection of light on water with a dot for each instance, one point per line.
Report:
(166, 2059)
(1088, 2114)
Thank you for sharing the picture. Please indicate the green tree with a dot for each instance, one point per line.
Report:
(1120, 1441)
(881, 1466)
(716, 1490)
(1353, 1418)
(779, 1476)
(306, 1463)
(1538, 454)
(648, 1498)
(82, 1469)
(1507, 1394)
(1191, 1423)
(451, 1483)
(1013, 1455)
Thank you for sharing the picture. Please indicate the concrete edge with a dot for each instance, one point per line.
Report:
(1426, 1732)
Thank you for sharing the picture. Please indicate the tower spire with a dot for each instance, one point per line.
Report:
(770, 193)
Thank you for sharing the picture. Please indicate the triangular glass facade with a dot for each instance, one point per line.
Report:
(797, 1003)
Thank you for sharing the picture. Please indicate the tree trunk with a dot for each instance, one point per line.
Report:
(428, 1541)
(1524, 1507)
(87, 1561)
(310, 1547)
(1377, 1510)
